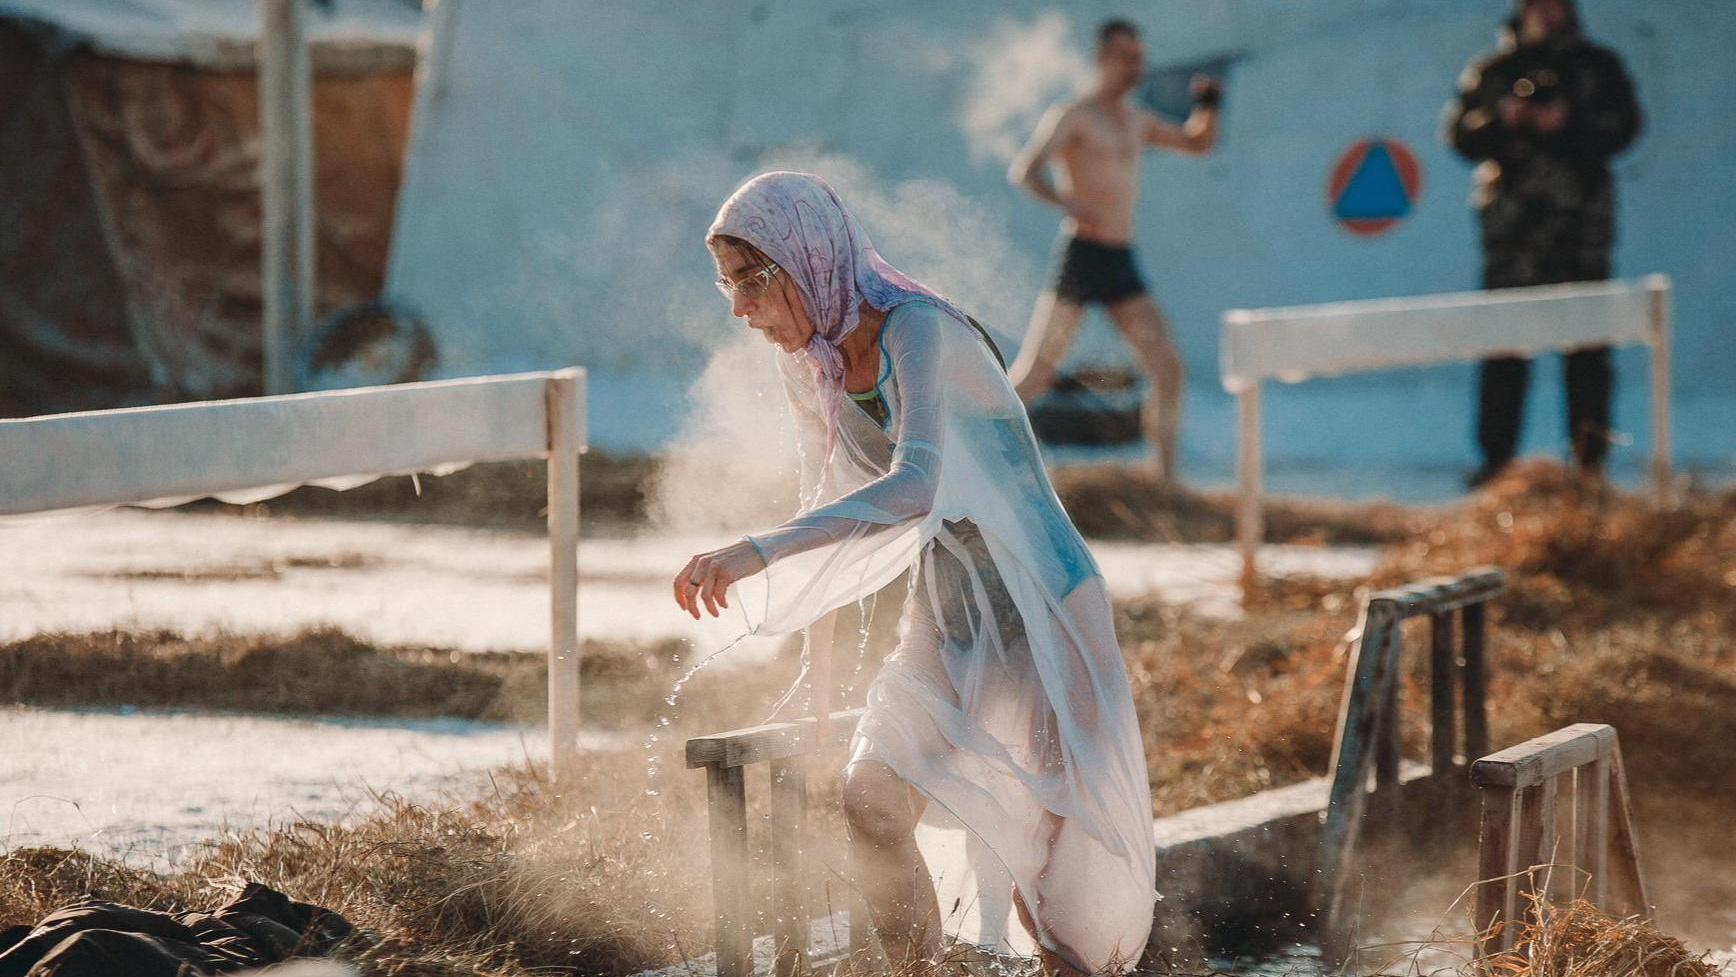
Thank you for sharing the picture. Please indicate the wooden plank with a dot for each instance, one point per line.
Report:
(1536, 760)
(1496, 858)
(1352, 755)
(789, 811)
(1629, 875)
(1443, 667)
(563, 519)
(1473, 628)
(773, 741)
(1440, 594)
(1591, 837)
(726, 795)
(1249, 517)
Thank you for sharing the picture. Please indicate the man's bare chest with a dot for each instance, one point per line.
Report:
(1107, 138)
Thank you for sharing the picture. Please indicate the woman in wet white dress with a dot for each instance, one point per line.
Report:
(996, 790)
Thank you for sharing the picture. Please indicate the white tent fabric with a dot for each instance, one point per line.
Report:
(219, 33)
(253, 449)
(1293, 344)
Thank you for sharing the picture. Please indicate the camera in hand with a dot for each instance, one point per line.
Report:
(1538, 87)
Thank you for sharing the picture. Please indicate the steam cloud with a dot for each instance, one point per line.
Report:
(1019, 69)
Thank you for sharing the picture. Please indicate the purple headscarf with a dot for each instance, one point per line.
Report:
(797, 220)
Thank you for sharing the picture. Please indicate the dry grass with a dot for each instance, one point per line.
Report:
(1579, 940)
(593, 877)
(1110, 501)
(603, 872)
(323, 671)
(1617, 612)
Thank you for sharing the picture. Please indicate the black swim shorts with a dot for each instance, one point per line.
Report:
(1093, 272)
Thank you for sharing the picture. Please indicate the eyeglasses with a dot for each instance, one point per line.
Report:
(751, 287)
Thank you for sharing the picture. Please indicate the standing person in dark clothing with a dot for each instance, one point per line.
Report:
(1541, 117)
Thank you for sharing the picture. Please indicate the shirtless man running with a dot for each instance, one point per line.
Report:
(1093, 143)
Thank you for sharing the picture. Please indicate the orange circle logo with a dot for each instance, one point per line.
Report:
(1373, 185)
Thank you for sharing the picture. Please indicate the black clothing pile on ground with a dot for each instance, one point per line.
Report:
(1547, 205)
(260, 926)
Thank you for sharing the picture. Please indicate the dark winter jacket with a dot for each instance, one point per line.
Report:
(1545, 199)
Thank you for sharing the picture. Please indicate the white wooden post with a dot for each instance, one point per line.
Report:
(563, 499)
(286, 189)
(1658, 335)
(1249, 521)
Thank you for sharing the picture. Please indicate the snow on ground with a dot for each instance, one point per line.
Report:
(447, 587)
(146, 786)
(442, 586)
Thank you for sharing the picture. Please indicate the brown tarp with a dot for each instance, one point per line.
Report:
(129, 220)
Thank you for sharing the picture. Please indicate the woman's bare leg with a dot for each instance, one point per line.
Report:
(1053, 963)
(1053, 323)
(1147, 335)
(881, 811)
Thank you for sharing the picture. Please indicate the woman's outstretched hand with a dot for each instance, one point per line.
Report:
(706, 578)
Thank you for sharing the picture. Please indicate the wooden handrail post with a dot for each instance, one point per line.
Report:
(1658, 334)
(726, 795)
(1443, 672)
(1624, 843)
(789, 888)
(1497, 858)
(564, 441)
(785, 747)
(1387, 735)
(1518, 852)
(1250, 522)
(1591, 835)
(1369, 721)
(1473, 626)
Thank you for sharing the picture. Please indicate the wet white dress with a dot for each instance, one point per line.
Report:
(1006, 702)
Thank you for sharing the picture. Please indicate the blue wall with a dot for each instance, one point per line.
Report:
(562, 177)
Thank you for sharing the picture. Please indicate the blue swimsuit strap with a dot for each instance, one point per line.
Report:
(885, 372)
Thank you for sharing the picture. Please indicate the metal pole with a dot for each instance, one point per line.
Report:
(563, 497)
(286, 189)
(1249, 526)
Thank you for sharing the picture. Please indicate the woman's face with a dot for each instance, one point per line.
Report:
(763, 294)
